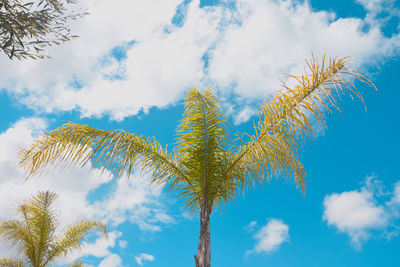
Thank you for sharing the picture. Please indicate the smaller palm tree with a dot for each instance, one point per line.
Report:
(35, 234)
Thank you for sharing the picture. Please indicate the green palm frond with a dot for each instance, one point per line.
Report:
(117, 151)
(34, 235)
(41, 220)
(200, 143)
(18, 234)
(73, 237)
(286, 120)
(264, 160)
(289, 114)
(5, 262)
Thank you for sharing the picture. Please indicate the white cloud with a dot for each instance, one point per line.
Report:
(143, 257)
(270, 236)
(100, 247)
(112, 260)
(248, 47)
(380, 12)
(354, 213)
(135, 200)
(253, 62)
(359, 214)
(378, 6)
(244, 115)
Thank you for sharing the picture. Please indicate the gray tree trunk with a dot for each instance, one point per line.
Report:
(203, 258)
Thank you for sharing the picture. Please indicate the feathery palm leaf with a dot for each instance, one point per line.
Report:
(72, 237)
(34, 236)
(117, 151)
(201, 140)
(19, 235)
(41, 221)
(286, 120)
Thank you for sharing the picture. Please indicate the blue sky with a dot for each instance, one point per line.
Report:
(130, 68)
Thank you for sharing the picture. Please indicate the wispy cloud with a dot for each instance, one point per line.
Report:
(251, 226)
(140, 259)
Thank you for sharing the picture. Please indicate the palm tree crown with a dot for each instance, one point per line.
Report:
(207, 167)
(35, 235)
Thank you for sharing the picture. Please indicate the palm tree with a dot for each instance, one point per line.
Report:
(207, 166)
(35, 235)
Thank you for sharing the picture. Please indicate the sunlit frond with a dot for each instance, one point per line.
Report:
(18, 234)
(200, 142)
(117, 151)
(289, 115)
(264, 160)
(34, 235)
(73, 237)
(5, 262)
(41, 220)
(286, 120)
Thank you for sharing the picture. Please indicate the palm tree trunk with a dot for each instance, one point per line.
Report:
(203, 258)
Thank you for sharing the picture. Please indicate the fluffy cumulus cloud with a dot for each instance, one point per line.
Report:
(140, 259)
(363, 213)
(135, 200)
(148, 53)
(354, 212)
(270, 236)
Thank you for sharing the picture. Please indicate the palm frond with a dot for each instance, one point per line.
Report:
(41, 220)
(265, 159)
(34, 235)
(117, 151)
(289, 114)
(73, 237)
(200, 142)
(286, 120)
(18, 234)
(6, 262)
